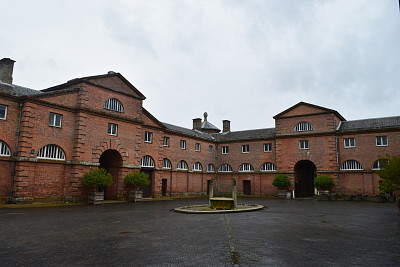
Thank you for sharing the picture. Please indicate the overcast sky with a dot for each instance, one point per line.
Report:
(244, 61)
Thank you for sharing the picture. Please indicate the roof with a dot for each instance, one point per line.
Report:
(370, 124)
(322, 109)
(245, 135)
(185, 131)
(208, 126)
(17, 90)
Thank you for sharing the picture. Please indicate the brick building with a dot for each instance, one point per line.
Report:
(50, 138)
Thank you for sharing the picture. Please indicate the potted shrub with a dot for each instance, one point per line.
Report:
(323, 183)
(97, 179)
(282, 182)
(136, 180)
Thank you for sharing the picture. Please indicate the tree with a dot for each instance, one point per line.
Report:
(281, 181)
(390, 174)
(97, 178)
(324, 182)
(137, 179)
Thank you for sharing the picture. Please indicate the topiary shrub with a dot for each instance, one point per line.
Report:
(137, 179)
(97, 178)
(323, 182)
(281, 181)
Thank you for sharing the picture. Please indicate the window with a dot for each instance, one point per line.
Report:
(377, 165)
(3, 112)
(210, 149)
(147, 161)
(167, 164)
(268, 167)
(4, 149)
(197, 166)
(268, 147)
(245, 148)
(349, 142)
(303, 126)
(55, 119)
(51, 152)
(114, 105)
(182, 165)
(182, 144)
(148, 137)
(197, 147)
(225, 168)
(246, 167)
(351, 165)
(210, 167)
(381, 141)
(112, 129)
(303, 144)
(166, 141)
(225, 149)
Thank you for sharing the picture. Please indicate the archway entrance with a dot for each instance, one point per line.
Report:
(305, 172)
(111, 160)
(147, 189)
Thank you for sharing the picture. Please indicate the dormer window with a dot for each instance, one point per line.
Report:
(114, 105)
(303, 126)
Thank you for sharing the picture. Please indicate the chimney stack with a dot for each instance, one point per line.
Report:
(197, 124)
(226, 126)
(6, 70)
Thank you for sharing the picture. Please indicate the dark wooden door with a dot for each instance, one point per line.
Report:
(247, 187)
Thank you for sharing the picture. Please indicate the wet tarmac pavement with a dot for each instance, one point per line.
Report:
(287, 233)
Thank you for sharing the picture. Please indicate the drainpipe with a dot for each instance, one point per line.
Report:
(338, 163)
(10, 197)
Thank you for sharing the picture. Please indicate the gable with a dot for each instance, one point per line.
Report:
(150, 120)
(302, 109)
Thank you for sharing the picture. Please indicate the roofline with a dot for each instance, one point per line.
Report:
(310, 105)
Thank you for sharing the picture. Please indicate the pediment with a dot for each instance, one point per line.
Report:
(303, 109)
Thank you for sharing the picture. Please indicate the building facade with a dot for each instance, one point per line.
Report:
(50, 138)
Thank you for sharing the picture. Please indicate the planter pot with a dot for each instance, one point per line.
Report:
(136, 195)
(96, 198)
(281, 193)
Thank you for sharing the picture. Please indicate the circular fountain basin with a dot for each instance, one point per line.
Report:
(204, 209)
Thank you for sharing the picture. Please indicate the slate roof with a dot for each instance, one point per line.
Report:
(208, 126)
(370, 124)
(17, 90)
(185, 131)
(245, 135)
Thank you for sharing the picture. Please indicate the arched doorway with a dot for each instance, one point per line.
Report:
(147, 166)
(305, 172)
(111, 160)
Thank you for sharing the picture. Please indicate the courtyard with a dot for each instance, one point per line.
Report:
(149, 233)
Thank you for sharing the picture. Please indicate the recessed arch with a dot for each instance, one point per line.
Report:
(305, 172)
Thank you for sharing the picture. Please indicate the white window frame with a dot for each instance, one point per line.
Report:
(55, 120)
(268, 167)
(197, 166)
(225, 168)
(225, 150)
(210, 168)
(246, 167)
(4, 149)
(197, 147)
(182, 144)
(167, 164)
(349, 142)
(114, 105)
(303, 126)
(148, 137)
(210, 149)
(165, 141)
(268, 147)
(112, 129)
(376, 165)
(351, 165)
(5, 108)
(304, 144)
(51, 151)
(147, 161)
(382, 140)
(245, 148)
(182, 165)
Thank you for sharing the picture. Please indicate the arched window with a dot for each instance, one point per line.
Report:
(4, 149)
(377, 165)
(303, 126)
(210, 168)
(197, 166)
(114, 104)
(225, 168)
(167, 164)
(268, 167)
(51, 152)
(246, 167)
(182, 165)
(147, 161)
(351, 165)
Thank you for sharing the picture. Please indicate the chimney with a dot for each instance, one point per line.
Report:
(6, 70)
(226, 126)
(197, 124)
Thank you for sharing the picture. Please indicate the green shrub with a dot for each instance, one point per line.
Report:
(281, 181)
(323, 182)
(137, 179)
(97, 177)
